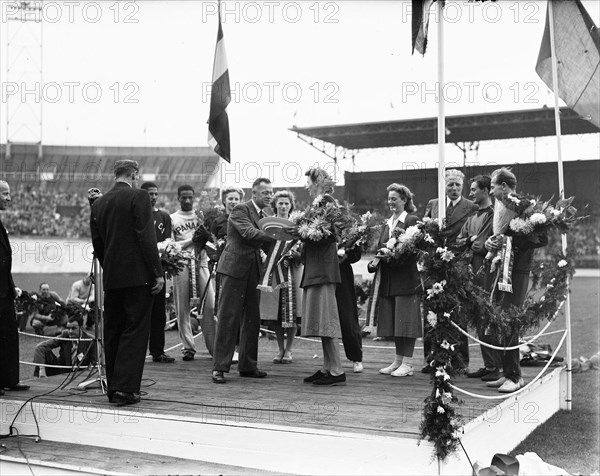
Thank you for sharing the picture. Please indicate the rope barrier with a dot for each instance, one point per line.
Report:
(46, 365)
(514, 347)
(55, 338)
(522, 389)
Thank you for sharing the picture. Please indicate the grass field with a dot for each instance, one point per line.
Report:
(569, 439)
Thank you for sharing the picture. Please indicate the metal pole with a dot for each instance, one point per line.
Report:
(441, 123)
(561, 190)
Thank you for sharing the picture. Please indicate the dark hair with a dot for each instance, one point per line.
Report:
(405, 194)
(76, 318)
(42, 283)
(149, 185)
(183, 188)
(124, 168)
(226, 191)
(283, 194)
(483, 182)
(260, 180)
(504, 175)
(321, 178)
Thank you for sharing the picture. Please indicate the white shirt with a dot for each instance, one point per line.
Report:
(391, 223)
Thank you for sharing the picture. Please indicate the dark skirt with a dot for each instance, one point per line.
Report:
(399, 316)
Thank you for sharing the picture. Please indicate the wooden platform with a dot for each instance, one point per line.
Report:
(278, 424)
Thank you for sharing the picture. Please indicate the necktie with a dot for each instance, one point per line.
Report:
(449, 210)
(261, 215)
(74, 353)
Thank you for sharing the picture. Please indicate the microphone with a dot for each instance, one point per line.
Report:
(93, 195)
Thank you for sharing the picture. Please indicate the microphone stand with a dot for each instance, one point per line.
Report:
(98, 332)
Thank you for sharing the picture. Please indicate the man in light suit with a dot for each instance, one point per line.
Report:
(9, 334)
(124, 242)
(458, 209)
(239, 267)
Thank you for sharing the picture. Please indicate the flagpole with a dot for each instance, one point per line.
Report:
(441, 123)
(561, 188)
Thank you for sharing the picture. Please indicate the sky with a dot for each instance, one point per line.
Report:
(139, 73)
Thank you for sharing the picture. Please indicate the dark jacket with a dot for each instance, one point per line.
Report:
(244, 241)
(7, 285)
(86, 348)
(455, 222)
(321, 263)
(398, 277)
(124, 239)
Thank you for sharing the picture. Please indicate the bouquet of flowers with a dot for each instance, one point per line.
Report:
(536, 216)
(172, 258)
(324, 219)
(362, 232)
(402, 244)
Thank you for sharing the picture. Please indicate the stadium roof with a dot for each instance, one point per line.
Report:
(466, 128)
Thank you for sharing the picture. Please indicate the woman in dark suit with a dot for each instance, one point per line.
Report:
(398, 307)
(321, 275)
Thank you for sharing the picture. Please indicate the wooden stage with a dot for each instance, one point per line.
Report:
(187, 424)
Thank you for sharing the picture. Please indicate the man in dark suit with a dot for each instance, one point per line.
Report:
(9, 334)
(239, 267)
(458, 209)
(124, 242)
(72, 353)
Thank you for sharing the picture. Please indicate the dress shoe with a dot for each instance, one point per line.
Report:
(276, 360)
(187, 356)
(218, 377)
(496, 383)
(357, 367)
(329, 380)
(163, 359)
(509, 386)
(479, 373)
(253, 374)
(125, 398)
(317, 375)
(403, 371)
(427, 369)
(18, 388)
(495, 375)
(287, 358)
(1, 391)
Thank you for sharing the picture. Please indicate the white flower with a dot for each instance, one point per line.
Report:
(426, 219)
(436, 289)
(317, 200)
(391, 243)
(447, 315)
(428, 238)
(441, 409)
(549, 286)
(555, 213)
(432, 318)
(445, 255)
(562, 263)
(521, 226)
(543, 298)
(341, 252)
(366, 216)
(537, 219)
(445, 345)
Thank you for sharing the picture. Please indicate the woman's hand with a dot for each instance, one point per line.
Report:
(292, 231)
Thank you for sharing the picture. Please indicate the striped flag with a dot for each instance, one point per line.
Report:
(420, 24)
(577, 45)
(218, 122)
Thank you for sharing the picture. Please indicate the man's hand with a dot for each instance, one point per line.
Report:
(492, 243)
(291, 230)
(160, 282)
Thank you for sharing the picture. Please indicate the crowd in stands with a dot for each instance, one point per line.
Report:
(38, 212)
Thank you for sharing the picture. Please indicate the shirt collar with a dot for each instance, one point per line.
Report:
(454, 202)
(258, 209)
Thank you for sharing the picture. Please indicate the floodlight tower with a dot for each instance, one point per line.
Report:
(24, 63)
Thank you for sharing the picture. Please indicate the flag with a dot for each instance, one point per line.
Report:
(577, 45)
(218, 122)
(420, 24)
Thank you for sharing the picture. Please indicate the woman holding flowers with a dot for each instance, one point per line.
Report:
(397, 282)
(319, 229)
(281, 299)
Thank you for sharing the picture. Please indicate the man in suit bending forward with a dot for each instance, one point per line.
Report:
(239, 267)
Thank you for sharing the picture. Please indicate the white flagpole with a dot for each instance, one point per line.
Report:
(561, 188)
(441, 123)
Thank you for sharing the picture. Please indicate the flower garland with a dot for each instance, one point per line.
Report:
(450, 295)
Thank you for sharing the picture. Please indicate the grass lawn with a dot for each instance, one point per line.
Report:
(569, 440)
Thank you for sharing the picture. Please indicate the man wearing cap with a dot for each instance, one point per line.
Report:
(124, 242)
(458, 209)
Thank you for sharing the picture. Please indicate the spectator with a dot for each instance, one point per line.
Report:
(45, 316)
